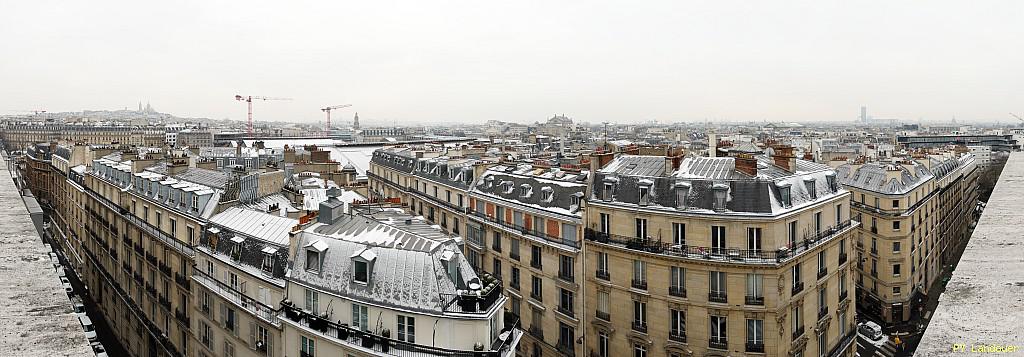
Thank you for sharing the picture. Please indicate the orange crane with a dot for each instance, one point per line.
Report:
(328, 111)
(248, 99)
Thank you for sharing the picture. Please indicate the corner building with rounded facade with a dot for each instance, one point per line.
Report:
(697, 256)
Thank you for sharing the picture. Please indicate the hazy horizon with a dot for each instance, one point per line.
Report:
(412, 62)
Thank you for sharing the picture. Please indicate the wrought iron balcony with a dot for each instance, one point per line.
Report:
(798, 287)
(755, 347)
(677, 336)
(640, 326)
(639, 284)
(604, 316)
(754, 300)
(798, 332)
(719, 343)
(718, 296)
(603, 275)
(677, 291)
(822, 272)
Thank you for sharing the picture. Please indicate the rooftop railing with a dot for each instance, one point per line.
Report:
(781, 255)
(527, 231)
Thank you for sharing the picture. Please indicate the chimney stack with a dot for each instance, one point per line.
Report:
(712, 145)
(783, 156)
(747, 164)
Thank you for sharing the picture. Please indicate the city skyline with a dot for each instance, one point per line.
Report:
(415, 63)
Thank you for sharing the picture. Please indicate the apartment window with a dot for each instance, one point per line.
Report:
(895, 247)
(229, 349)
(718, 286)
(896, 291)
(753, 238)
(496, 241)
(895, 270)
(639, 274)
(538, 226)
(606, 223)
(307, 347)
(839, 215)
(895, 225)
(565, 301)
(233, 280)
(359, 316)
(640, 315)
(602, 303)
(678, 234)
(798, 322)
(792, 234)
(514, 282)
(677, 323)
(641, 228)
(195, 203)
(717, 239)
(677, 281)
(311, 301)
(822, 301)
(755, 333)
(497, 267)
(565, 267)
(795, 272)
(823, 343)
(516, 305)
(810, 188)
(842, 323)
(822, 265)
(230, 321)
(876, 203)
(537, 288)
(535, 256)
(639, 350)
(159, 219)
(895, 203)
(602, 262)
(174, 228)
(786, 193)
(719, 330)
(407, 329)
(817, 223)
(460, 200)
(602, 344)
(842, 282)
(755, 289)
(513, 248)
(566, 337)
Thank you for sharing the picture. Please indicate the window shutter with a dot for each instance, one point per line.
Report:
(252, 335)
(270, 344)
(223, 314)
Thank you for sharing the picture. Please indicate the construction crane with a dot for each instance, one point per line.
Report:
(248, 99)
(1018, 117)
(328, 111)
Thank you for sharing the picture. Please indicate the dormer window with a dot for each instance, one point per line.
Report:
(524, 190)
(236, 247)
(314, 256)
(450, 262)
(507, 185)
(721, 192)
(362, 264)
(682, 194)
(268, 259)
(809, 183)
(645, 192)
(831, 179)
(195, 203)
(546, 194)
(574, 200)
(609, 188)
(785, 192)
(361, 274)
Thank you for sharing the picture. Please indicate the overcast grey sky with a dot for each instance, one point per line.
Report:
(429, 61)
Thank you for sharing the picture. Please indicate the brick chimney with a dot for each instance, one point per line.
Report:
(783, 156)
(747, 164)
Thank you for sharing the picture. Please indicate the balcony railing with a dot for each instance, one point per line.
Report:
(527, 231)
(754, 300)
(718, 296)
(810, 241)
(603, 275)
(472, 302)
(566, 276)
(604, 315)
(382, 344)
(822, 272)
(843, 295)
(719, 343)
(822, 312)
(677, 291)
(798, 287)
(677, 336)
(265, 312)
(639, 284)
(755, 347)
(798, 332)
(566, 311)
(143, 225)
(640, 326)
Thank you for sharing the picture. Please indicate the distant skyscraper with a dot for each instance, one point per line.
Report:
(355, 121)
(864, 114)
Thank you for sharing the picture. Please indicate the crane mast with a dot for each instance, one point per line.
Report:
(248, 100)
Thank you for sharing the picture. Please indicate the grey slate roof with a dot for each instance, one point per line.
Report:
(212, 178)
(407, 276)
(874, 176)
(563, 186)
(256, 224)
(746, 195)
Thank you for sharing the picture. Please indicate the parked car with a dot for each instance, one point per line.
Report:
(67, 285)
(870, 330)
(90, 330)
(98, 349)
(78, 306)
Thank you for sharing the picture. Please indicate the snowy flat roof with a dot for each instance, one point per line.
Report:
(982, 301)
